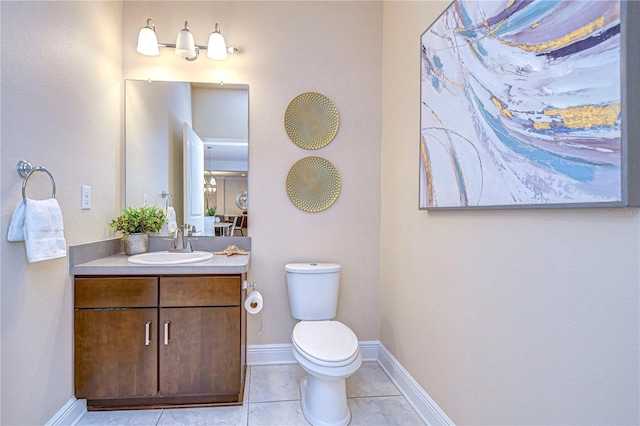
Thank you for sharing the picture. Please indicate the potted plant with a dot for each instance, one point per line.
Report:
(135, 224)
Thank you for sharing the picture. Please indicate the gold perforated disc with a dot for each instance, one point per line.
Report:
(313, 184)
(311, 120)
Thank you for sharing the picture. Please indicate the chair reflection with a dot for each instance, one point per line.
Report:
(238, 224)
(241, 225)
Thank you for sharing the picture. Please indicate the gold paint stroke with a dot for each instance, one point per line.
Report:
(458, 85)
(536, 25)
(496, 28)
(542, 125)
(561, 41)
(584, 117)
(427, 170)
(503, 110)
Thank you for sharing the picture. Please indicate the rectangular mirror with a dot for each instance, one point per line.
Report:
(187, 147)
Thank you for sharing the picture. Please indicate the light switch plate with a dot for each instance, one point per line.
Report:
(85, 201)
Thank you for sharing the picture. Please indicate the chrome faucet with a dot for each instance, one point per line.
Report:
(178, 242)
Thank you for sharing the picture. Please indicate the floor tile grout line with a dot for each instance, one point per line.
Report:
(386, 395)
(279, 400)
(376, 396)
(159, 417)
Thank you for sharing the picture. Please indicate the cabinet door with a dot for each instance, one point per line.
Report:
(200, 351)
(116, 353)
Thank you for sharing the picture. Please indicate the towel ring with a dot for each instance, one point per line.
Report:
(25, 169)
(168, 197)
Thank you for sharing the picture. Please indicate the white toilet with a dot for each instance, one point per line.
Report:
(327, 350)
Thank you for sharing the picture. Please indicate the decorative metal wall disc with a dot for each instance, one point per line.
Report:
(311, 120)
(313, 184)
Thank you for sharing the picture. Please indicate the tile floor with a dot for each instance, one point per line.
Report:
(272, 397)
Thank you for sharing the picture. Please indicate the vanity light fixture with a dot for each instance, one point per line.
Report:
(185, 45)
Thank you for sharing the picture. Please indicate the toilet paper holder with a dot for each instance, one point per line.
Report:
(252, 304)
(247, 285)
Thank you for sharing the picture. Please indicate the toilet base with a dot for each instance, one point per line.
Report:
(324, 403)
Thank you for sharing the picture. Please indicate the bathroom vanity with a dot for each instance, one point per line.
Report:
(159, 336)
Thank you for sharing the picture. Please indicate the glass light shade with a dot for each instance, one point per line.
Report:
(217, 48)
(148, 42)
(185, 46)
(213, 181)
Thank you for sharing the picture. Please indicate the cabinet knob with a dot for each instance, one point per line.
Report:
(166, 332)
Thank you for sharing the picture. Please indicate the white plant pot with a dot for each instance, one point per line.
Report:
(208, 225)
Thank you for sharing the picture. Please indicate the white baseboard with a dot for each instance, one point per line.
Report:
(426, 407)
(69, 414)
(270, 354)
(374, 350)
(369, 350)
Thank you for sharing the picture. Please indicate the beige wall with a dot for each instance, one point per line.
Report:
(61, 103)
(288, 48)
(503, 317)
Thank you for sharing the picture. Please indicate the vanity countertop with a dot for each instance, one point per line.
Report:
(119, 265)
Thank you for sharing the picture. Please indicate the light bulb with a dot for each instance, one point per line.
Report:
(148, 41)
(217, 48)
(185, 45)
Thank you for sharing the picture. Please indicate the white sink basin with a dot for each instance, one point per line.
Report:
(170, 257)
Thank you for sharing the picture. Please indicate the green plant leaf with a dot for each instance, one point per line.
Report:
(142, 220)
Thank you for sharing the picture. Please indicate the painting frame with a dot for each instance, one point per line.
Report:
(626, 177)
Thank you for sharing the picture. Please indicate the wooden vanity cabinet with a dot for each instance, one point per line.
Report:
(159, 341)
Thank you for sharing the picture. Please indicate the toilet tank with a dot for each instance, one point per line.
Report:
(313, 290)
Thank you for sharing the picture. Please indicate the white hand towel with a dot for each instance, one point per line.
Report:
(16, 227)
(44, 230)
(172, 224)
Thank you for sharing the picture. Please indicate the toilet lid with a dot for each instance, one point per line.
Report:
(329, 342)
(312, 268)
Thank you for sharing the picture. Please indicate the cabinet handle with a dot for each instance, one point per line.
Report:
(166, 332)
(147, 333)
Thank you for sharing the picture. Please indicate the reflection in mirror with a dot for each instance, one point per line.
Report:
(164, 122)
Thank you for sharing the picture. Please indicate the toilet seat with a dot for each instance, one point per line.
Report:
(326, 343)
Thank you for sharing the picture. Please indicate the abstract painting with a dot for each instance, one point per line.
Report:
(521, 105)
